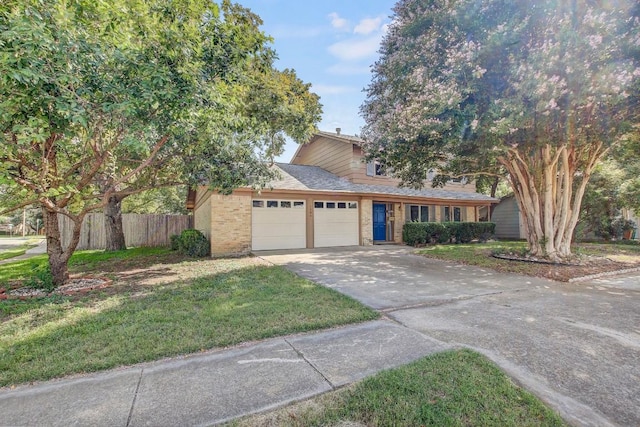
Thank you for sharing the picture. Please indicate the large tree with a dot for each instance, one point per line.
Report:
(541, 90)
(268, 106)
(100, 99)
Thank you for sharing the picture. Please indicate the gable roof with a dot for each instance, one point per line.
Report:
(314, 178)
(349, 139)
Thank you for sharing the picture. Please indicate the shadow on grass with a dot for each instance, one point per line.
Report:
(95, 262)
(217, 310)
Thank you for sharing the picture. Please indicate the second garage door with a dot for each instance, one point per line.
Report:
(278, 224)
(335, 224)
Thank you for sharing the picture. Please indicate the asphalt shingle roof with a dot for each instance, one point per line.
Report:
(314, 178)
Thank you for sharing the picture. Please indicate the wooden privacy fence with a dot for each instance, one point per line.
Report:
(139, 230)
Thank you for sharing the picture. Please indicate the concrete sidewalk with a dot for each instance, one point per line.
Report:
(40, 249)
(217, 386)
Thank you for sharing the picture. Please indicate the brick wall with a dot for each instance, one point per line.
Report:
(398, 215)
(230, 224)
(366, 221)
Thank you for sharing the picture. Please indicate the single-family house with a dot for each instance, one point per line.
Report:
(327, 196)
(510, 223)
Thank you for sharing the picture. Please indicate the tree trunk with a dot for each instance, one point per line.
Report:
(543, 185)
(58, 259)
(113, 225)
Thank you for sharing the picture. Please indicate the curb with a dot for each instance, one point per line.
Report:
(604, 274)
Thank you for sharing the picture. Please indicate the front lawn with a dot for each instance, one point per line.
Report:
(453, 388)
(160, 305)
(606, 257)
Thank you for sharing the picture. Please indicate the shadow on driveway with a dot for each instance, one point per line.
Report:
(577, 346)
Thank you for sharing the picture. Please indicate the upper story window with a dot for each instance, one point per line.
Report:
(459, 180)
(374, 168)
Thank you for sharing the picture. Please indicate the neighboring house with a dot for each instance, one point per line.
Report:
(631, 215)
(327, 196)
(509, 222)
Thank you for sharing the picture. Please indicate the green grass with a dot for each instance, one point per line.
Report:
(221, 303)
(80, 261)
(623, 255)
(12, 253)
(453, 388)
(478, 254)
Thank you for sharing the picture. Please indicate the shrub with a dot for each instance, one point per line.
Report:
(175, 242)
(418, 233)
(193, 243)
(41, 279)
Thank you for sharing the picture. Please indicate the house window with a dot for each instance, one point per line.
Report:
(342, 205)
(483, 213)
(353, 205)
(298, 204)
(272, 203)
(459, 180)
(319, 205)
(331, 205)
(374, 168)
(284, 204)
(258, 203)
(452, 213)
(417, 213)
(431, 173)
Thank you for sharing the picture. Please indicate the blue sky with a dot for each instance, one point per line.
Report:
(331, 44)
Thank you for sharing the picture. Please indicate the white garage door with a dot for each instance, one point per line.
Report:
(278, 224)
(335, 224)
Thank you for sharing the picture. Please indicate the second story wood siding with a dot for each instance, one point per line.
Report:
(342, 155)
(332, 155)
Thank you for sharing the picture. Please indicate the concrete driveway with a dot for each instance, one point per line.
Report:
(577, 346)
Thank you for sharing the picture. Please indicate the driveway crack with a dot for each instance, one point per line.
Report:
(299, 353)
(135, 396)
(440, 302)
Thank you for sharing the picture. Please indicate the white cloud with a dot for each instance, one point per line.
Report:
(355, 49)
(368, 25)
(332, 89)
(338, 23)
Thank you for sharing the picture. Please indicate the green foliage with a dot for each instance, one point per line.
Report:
(167, 201)
(420, 233)
(192, 243)
(175, 242)
(102, 99)
(41, 278)
(480, 87)
(609, 191)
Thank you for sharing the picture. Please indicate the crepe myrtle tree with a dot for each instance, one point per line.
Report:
(542, 91)
(100, 99)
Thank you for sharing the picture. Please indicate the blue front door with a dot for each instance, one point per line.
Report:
(379, 221)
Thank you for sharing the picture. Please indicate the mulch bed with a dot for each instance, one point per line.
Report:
(583, 267)
(75, 285)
